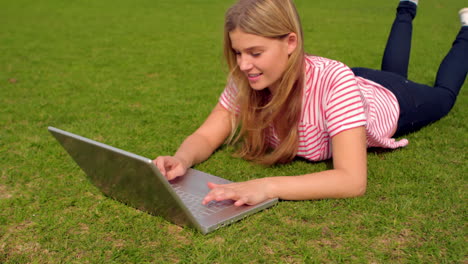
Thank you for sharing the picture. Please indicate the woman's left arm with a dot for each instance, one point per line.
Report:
(348, 178)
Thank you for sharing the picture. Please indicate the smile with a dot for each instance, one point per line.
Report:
(254, 77)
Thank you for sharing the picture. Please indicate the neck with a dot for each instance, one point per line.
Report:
(274, 88)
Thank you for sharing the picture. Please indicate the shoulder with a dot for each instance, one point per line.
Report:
(327, 74)
(321, 63)
(331, 95)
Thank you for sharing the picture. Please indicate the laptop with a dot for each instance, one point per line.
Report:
(137, 182)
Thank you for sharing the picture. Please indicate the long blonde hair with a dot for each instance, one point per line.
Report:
(259, 110)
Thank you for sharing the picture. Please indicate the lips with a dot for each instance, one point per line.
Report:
(254, 77)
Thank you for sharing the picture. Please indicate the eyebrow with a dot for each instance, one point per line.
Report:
(250, 48)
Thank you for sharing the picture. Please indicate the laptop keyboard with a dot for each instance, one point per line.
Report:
(194, 203)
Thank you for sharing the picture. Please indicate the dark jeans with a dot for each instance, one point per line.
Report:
(420, 104)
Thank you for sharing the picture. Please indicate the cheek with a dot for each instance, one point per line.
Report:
(278, 63)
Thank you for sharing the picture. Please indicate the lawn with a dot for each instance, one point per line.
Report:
(142, 75)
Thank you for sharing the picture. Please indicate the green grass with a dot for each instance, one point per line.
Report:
(142, 75)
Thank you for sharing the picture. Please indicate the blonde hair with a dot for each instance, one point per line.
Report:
(259, 110)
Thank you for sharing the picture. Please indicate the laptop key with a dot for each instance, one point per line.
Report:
(194, 203)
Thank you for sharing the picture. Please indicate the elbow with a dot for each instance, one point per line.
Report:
(358, 186)
(360, 190)
(356, 191)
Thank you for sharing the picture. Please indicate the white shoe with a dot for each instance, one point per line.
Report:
(464, 16)
(413, 1)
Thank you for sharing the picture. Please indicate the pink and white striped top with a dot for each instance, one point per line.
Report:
(335, 100)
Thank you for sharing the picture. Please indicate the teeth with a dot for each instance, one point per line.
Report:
(254, 75)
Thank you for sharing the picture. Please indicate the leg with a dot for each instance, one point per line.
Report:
(397, 52)
(419, 104)
(453, 69)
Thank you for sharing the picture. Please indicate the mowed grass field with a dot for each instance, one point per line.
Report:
(142, 75)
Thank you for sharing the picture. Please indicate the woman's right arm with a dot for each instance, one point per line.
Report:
(198, 146)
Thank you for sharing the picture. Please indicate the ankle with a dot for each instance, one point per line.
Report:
(408, 7)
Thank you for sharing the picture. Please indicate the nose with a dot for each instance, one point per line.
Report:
(244, 63)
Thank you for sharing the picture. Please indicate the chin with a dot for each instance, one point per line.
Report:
(258, 87)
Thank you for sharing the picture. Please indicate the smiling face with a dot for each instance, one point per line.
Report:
(262, 60)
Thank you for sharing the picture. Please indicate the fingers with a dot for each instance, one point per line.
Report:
(170, 167)
(213, 185)
(159, 162)
(221, 192)
(240, 202)
(213, 195)
(243, 193)
(175, 172)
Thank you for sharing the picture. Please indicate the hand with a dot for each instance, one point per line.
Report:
(170, 167)
(249, 192)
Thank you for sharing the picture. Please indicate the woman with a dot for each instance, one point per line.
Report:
(281, 103)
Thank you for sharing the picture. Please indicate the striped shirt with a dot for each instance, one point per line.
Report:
(335, 100)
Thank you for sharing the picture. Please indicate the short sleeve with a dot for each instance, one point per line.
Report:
(228, 97)
(344, 102)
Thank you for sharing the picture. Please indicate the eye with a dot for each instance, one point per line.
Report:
(256, 54)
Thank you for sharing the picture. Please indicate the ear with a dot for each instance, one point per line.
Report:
(292, 42)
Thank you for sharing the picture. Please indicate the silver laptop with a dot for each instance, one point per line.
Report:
(137, 182)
